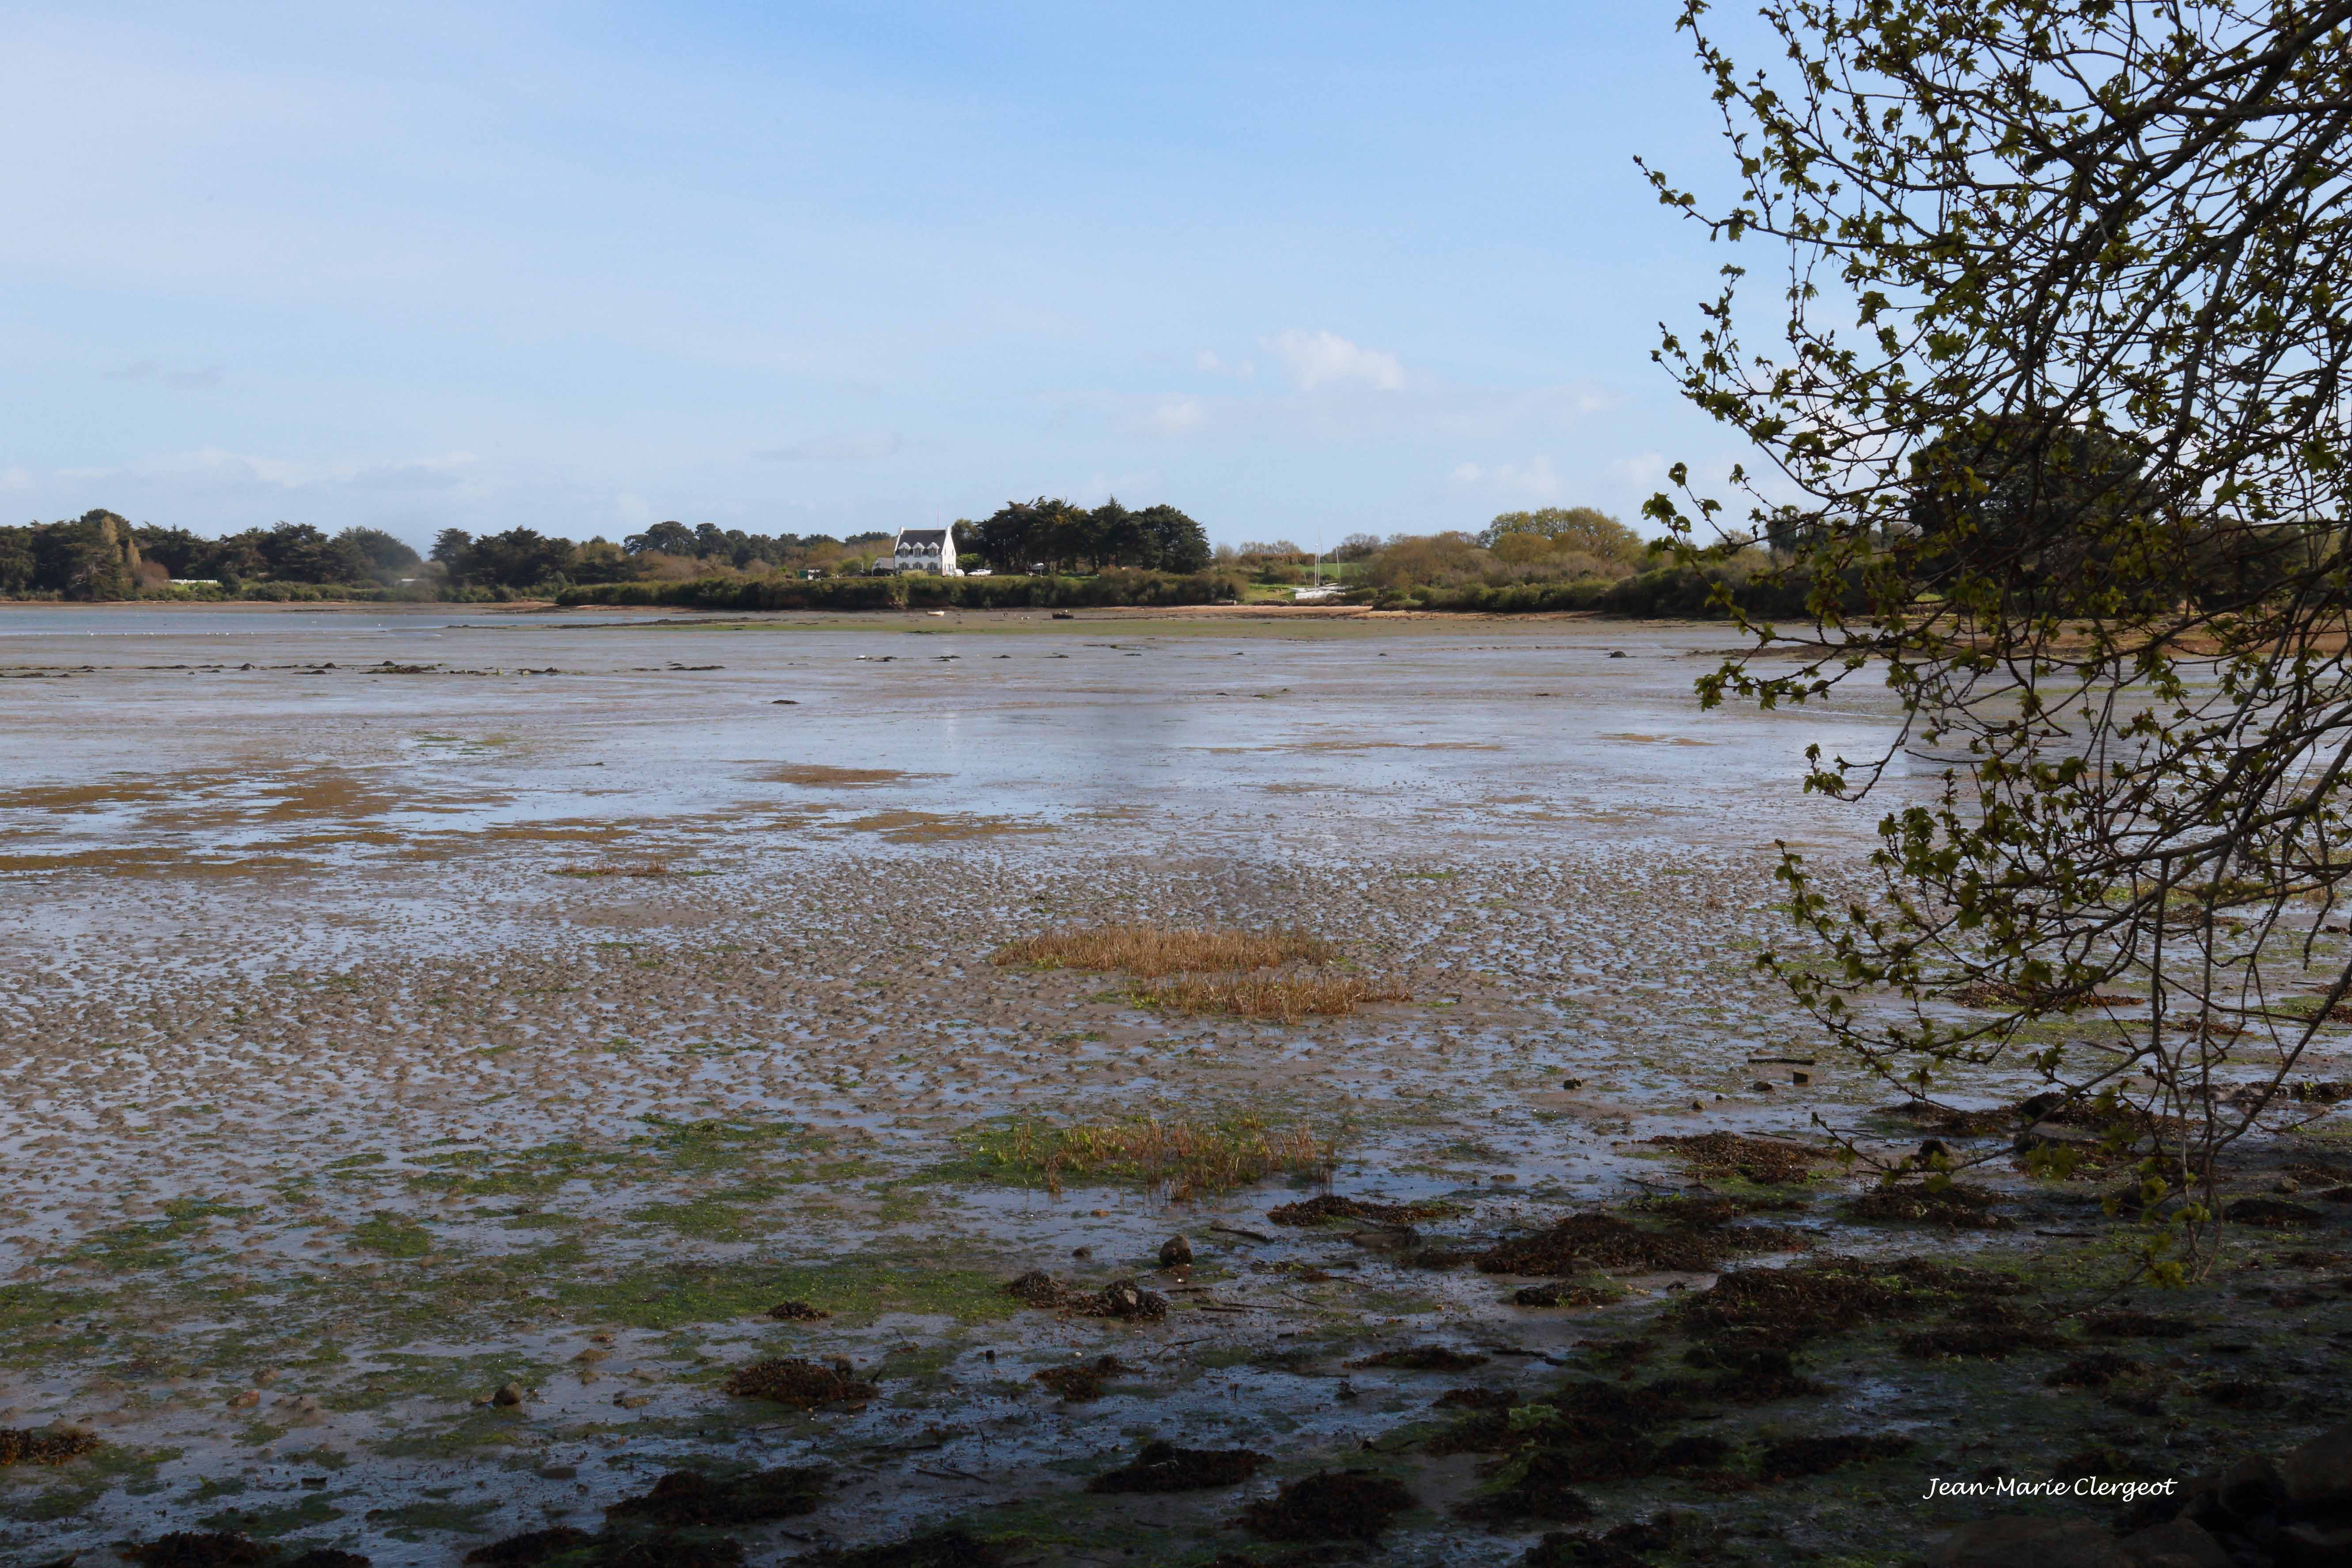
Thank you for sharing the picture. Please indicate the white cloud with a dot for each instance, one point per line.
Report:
(851, 447)
(1468, 474)
(1207, 360)
(16, 479)
(1175, 416)
(1325, 358)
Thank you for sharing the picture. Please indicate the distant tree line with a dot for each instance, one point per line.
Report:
(102, 556)
(1062, 537)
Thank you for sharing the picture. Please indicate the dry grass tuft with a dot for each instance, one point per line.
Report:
(1188, 1157)
(1287, 998)
(1153, 950)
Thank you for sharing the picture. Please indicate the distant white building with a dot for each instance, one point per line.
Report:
(928, 550)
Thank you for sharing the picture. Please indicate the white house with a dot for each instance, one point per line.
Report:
(928, 550)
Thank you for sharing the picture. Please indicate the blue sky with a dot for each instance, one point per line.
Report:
(1303, 270)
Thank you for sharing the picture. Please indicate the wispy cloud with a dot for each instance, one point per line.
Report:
(853, 446)
(1535, 479)
(1325, 359)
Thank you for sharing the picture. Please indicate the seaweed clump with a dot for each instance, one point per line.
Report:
(1828, 1297)
(1762, 1160)
(532, 1546)
(1083, 1381)
(1159, 1467)
(1954, 1204)
(685, 1497)
(803, 1385)
(1330, 1505)
(200, 1549)
(27, 1445)
(1332, 1207)
(1120, 1298)
(1585, 1241)
(1423, 1358)
(1627, 1545)
(932, 1549)
(1793, 1456)
(1561, 1294)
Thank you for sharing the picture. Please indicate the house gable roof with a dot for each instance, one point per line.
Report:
(922, 536)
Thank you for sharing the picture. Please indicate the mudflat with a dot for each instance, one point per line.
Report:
(549, 1078)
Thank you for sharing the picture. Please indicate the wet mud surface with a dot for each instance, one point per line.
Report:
(535, 1089)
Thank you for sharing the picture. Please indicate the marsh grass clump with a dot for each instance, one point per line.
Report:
(1185, 1155)
(1151, 951)
(640, 869)
(29, 1446)
(1283, 998)
(803, 1385)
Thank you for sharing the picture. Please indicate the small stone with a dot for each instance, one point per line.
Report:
(1082, 1252)
(632, 1401)
(1571, 1083)
(246, 1400)
(1800, 1077)
(558, 1472)
(1760, 1085)
(2287, 1186)
(1176, 1249)
(509, 1393)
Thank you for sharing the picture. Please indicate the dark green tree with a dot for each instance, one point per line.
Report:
(669, 538)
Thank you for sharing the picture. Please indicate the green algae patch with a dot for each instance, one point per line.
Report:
(276, 1519)
(409, 1520)
(155, 1242)
(668, 1148)
(861, 1287)
(392, 1235)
